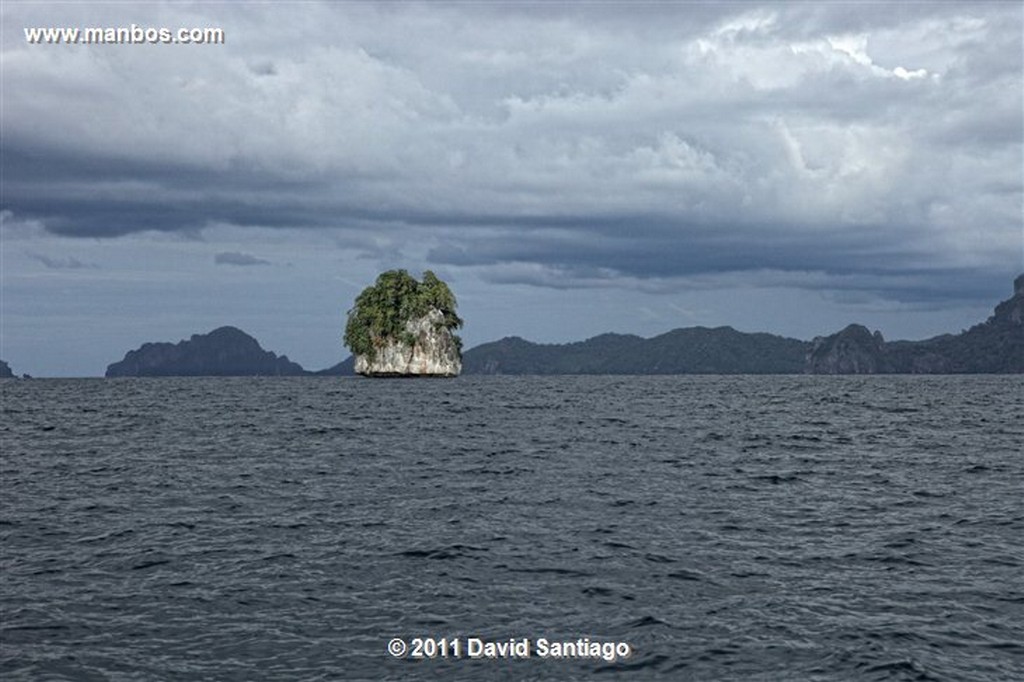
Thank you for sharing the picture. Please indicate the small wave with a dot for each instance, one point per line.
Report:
(150, 564)
(896, 559)
(554, 571)
(776, 479)
(47, 571)
(33, 628)
(901, 669)
(448, 552)
(749, 574)
(646, 622)
(900, 544)
(275, 557)
(651, 661)
(928, 493)
(92, 539)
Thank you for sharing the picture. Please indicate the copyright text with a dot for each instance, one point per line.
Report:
(513, 648)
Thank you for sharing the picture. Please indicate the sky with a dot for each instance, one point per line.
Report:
(569, 169)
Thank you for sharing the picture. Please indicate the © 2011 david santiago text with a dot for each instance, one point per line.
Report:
(513, 648)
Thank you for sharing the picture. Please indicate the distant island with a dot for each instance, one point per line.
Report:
(994, 346)
(403, 327)
(224, 352)
(5, 371)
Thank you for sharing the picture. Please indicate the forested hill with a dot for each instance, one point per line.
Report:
(694, 350)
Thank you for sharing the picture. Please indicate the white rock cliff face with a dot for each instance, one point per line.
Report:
(433, 354)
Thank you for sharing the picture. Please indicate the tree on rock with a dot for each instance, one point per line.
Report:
(400, 326)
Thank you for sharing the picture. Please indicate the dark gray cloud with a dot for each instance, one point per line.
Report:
(658, 260)
(842, 145)
(60, 263)
(238, 258)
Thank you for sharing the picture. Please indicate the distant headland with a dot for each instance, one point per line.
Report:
(995, 346)
(225, 351)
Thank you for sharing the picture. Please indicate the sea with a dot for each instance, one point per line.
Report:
(513, 528)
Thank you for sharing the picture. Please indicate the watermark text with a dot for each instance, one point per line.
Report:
(124, 35)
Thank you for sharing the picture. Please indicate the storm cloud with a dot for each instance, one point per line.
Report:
(238, 258)
(59, 263)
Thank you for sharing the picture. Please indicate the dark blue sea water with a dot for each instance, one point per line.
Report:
(724, 528)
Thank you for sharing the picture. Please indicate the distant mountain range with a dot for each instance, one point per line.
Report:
(695, 350)
(994, 346)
